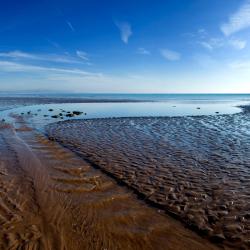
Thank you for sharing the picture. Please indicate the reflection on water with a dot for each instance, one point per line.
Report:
(42, 116)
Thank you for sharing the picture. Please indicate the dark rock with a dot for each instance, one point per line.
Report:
(50, 110)
(77, 112)
(218, 238)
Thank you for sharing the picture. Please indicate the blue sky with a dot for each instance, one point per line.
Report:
(161, 46)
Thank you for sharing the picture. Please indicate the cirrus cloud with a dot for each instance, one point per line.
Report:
(238, 44)
(143, 51)
(82, 54)
(125, 31)
(238, 21)
(20, 55)
(170, 55)
(70, 26)
(8, 66)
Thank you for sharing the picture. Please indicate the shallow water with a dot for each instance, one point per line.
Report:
(40, 115)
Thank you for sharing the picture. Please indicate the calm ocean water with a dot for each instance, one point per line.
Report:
(167, 97)
(141, 97)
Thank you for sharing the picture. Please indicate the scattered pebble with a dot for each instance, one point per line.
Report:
(77, 112)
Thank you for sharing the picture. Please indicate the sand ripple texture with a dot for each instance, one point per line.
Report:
(52, 199)
(196, 168)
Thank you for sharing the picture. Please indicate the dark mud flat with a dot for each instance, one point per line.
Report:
(196, 168)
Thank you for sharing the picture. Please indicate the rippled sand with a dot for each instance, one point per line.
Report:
(195, 168)
(52, 199)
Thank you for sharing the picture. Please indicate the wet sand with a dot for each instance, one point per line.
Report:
(52, 199)
(197, 169)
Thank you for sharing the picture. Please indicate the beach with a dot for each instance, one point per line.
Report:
(125, 125)
(124, 183)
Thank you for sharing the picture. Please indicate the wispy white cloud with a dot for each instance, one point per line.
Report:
(54, 44)
(198, 34)
(212, 43)
(216, 43)
(8, 66)
(237, 43)
(40, 57)
(202, 32)
(143, 51)
(70, 26)
(170, 54)
(125, 31)
(206, 45)
(238, 21)
(242, 65)
(17, 54)
(82, 54)
(204, 61)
